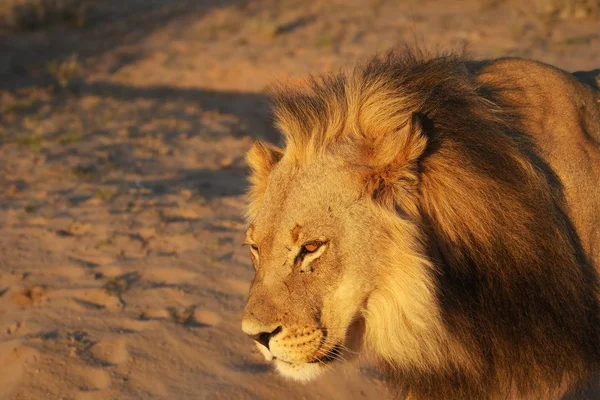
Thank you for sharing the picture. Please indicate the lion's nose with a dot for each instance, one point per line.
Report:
(264, 337)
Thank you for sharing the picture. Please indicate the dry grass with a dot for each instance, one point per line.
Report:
(566, 9)
(35, 14)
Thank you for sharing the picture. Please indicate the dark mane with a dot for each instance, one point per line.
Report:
(514, 284)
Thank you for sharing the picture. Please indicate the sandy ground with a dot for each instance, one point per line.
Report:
(121, 196)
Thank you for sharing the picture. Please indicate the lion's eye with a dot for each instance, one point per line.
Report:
(253, 247)
(310, 251)
(311, 247)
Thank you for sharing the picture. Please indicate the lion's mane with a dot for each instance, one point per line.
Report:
(517, 295)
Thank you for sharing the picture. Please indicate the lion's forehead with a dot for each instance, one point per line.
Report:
(303, 202)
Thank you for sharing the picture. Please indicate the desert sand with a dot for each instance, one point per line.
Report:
(122, 180)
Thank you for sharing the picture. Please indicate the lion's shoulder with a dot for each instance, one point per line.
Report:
(558, 109)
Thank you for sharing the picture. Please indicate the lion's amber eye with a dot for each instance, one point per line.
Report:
(254, 247)
(311, 247)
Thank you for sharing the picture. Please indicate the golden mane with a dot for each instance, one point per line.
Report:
(376, 97)
(514, 286)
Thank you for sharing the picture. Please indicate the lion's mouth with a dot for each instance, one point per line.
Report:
(331, 355)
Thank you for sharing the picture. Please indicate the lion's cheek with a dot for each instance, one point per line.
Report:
(344, 306)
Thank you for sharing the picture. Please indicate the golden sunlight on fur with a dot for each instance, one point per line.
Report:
(439, 214)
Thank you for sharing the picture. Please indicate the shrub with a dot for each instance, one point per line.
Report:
(35, 14)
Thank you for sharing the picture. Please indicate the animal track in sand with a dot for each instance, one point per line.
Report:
(65, 271)
(9, 278)
(13, 358)
(169, 276)
(127, 325)
(13, 328)
(111, 351)
(155, 314)
(32, 295)
(91, 261)
(205, 317)
(110, 271)
(95, 299)
(189, 316)
(94, 378)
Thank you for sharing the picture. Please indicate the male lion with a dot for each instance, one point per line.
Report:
(440, 214)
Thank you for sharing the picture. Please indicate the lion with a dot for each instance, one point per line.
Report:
(439, 214)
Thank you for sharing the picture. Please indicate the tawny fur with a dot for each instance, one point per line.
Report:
(480, 185)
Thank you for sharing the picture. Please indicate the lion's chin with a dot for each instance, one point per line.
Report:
(302, 372)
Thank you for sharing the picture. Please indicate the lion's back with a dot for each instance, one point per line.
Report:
(561, 113)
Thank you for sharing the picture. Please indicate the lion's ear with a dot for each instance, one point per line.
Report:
(261, 159)
(393, 162)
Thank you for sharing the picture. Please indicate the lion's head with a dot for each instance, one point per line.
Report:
(384, 225)
(318, 240)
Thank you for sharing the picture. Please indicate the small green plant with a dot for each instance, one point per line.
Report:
(118, 285)
(65, 72)
(79, 341)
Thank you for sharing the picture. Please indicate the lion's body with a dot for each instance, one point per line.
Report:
(562, 115)
(457, 210)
